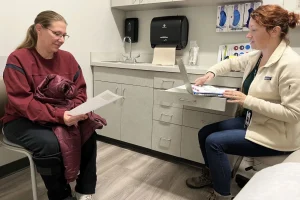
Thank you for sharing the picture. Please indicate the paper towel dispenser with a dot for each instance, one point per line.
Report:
(169, 31)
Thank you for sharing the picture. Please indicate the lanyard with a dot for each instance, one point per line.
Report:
(249, 112)
(257, 65)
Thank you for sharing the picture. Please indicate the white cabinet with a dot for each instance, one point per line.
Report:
(151, 117)
(190, 148)
(111, 112)
(278, 2)
(292, 5)
(129, 119)
(115, 3)
(166, 138)
(136, 120)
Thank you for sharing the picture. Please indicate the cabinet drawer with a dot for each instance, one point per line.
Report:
(167, 114)
(166, 138)
(181, 97)
(199, 119)
(159, 99)
(190, 148)
(125, 76)
(166, 83)
(230, 110)
(224, 81)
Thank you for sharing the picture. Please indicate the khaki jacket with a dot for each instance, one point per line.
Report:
(273, 97)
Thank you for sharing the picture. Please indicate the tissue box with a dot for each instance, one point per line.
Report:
(236, 17)
(249, 8)
(222, 19)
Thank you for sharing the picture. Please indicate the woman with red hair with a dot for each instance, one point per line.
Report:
(268, 123)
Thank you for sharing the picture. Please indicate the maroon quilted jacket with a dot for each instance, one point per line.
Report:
(58, 92)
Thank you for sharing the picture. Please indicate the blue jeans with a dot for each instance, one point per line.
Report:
(227, 137)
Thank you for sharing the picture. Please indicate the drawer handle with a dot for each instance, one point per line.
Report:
(117, 90)
(162, 138)
(162, 114)
(167, 81)
(182, 99)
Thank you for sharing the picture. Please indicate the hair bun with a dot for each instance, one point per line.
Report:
(293, 19)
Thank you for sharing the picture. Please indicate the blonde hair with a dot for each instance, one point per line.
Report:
(44, 18)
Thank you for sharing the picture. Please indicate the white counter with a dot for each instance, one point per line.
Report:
(159, 68)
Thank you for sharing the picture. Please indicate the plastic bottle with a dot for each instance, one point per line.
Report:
(193, 54)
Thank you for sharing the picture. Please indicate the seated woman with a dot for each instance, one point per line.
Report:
(268, 124)
(32, 123)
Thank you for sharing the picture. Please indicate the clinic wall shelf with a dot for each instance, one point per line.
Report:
(132, 5)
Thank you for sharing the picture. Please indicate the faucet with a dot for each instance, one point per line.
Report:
(129, 59)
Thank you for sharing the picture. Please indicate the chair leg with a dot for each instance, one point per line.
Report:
(33, 178)
(236, 166)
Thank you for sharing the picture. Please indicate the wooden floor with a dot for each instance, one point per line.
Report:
(122, 175)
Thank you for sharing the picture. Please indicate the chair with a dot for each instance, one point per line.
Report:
(266, 160)
(14, 147)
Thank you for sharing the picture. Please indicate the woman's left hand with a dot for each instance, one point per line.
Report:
(235, 96)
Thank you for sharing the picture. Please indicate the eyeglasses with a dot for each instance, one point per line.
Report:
(59, 34)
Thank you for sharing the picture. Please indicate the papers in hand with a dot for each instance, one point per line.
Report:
(208, 90)
(94, 103)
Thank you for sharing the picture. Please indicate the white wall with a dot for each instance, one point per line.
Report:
(91, 24)
(202, 22)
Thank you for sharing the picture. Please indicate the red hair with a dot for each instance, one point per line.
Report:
(271, 16)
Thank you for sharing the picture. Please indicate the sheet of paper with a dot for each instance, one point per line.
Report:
(94, 103)
(164, 55)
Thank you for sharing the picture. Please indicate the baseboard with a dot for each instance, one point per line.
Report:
(13, 167)
(149, 152)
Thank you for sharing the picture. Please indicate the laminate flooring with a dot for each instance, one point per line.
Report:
(122, 175)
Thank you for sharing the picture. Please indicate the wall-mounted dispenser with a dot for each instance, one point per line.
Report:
(132, 29)
(169, 31)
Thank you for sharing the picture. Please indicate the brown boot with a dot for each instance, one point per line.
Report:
(217, 196)
(200, 181)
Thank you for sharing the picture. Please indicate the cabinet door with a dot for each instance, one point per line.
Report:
(115, 3)
(190, 148)
(111, 112)
(136, 120)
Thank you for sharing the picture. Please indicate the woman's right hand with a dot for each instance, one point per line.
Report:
(73, 120)
(207, 77)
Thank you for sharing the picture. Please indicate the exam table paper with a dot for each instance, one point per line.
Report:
(94, 103)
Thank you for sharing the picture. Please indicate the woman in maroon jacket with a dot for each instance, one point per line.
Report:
(37, 57)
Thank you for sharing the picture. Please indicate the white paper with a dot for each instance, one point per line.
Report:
(164, 55)
(94, 103)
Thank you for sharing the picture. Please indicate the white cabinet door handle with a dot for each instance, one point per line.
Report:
(123, 93)
(117, 90)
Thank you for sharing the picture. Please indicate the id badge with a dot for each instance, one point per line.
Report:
(248, 118)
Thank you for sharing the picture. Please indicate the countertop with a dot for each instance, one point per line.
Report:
(158, 68)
